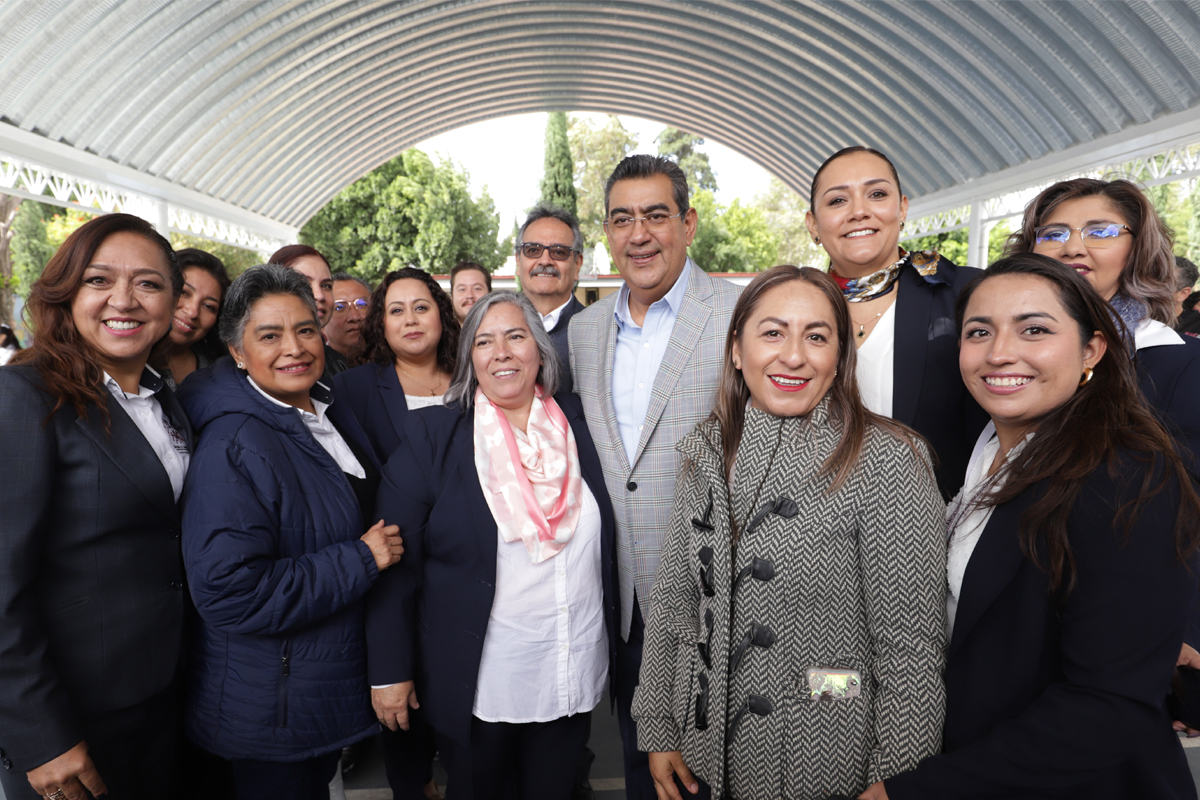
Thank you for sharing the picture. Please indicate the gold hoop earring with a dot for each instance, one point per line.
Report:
(1087, 375)
(817, 240)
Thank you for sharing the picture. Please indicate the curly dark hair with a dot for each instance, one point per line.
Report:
(375, 345)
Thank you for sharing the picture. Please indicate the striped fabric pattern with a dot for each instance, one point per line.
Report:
(682, 396)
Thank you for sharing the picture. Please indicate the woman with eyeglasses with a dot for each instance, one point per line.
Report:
(901, 305)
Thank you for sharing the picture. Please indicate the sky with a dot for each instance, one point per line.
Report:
(506, 155)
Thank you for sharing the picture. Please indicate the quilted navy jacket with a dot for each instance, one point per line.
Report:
(271, 527)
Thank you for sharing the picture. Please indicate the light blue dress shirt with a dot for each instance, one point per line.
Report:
(638, 353)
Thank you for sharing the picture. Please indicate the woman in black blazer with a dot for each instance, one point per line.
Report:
(94, 449)
(1071, 559)
(506, 638)
(410, 339)
(901, 304)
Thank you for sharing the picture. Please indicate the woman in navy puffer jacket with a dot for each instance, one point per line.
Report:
(276, 558)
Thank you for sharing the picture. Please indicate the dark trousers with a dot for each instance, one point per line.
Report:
(285, 780)
(134, 750)
(515, 761)
(408, 757)
(639, 784)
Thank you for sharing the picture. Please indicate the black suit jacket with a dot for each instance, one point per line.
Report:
(426, 617)
(91, 577)
(928, 393)
(1050, 699)
(558, 335)
(373, 394)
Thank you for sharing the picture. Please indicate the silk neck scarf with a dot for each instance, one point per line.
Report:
(532, 482)
(868, 287)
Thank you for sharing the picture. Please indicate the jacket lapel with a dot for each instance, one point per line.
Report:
(994, 562)
(607, 325)
(483, 523)
(689, 326)
(912, 340)
(393, 396)
(128, 449)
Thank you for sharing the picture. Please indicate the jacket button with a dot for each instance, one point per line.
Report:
(7, 765)
(175, 533)
(176, 584)
(631, 486)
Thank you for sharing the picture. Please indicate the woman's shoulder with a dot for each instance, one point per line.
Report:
(21, 379)
(361, 376)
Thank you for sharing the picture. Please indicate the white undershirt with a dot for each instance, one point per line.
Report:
(876, 364)
(545, 653)
(323, 431)
(551, 319)
(415, 401)
(147, 413)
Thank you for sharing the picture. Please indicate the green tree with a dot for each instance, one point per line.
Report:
(409, 211)
(683, 149)
(784, 211)
(38, 231)
(733, 239)
(596, 151)
(236, 259)
(558, 174)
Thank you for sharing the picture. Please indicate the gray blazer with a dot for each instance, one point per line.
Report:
(682, 396)
(849, 581)
(91, 577)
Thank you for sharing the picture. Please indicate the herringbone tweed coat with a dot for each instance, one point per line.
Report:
(854, 580)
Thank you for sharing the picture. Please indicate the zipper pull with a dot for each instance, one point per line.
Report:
(286, 668)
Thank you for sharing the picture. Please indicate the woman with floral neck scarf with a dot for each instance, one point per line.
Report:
(502, 615)
(901, 305)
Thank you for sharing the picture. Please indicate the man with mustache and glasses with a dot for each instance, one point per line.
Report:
(549, 255)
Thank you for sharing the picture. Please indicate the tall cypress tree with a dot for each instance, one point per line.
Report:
(558, 176)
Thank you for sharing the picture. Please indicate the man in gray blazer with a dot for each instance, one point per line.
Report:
(645, 362)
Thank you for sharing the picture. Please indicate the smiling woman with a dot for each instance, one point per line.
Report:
(194, 340)
(95, 449)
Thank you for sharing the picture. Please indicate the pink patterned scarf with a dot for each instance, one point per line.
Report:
(531, 481)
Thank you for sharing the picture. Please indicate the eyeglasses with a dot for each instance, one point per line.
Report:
(341, 305)
(655, 219)
(1096, 236)
(558, 252)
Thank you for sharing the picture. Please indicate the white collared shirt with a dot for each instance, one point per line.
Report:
(551, 319)
(1152, 333)
(877, 364)
(637, 355)
(147, 413)
(545, 653)
(323, 431)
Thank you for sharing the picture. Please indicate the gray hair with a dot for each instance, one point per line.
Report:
(641, 165)
(253, 285)
(346, 276)
(463, 384)
(565, 217)
(1188, 274)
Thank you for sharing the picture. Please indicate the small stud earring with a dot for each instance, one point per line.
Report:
(1087, 376)
(817, 240)
(241, 365)
(737, 364)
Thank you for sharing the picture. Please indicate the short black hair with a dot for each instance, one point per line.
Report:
(463, 266)
(346, 276)
(642, 165)
(1188, 274)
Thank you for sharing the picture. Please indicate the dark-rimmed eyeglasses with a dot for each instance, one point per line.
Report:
(1096, 235)
(558, 252)
(655, 219)
(341, 306)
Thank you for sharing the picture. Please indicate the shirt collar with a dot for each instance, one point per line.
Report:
(151, 383)
(317, 404)
(1152, 333)
(673, 298)
(551, 319)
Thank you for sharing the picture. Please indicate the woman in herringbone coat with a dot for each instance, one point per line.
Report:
(796, 644)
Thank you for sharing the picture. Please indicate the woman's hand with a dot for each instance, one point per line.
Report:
(874, 792)
(386, 544)
(391, 704)
(71, 773)
(664, 767)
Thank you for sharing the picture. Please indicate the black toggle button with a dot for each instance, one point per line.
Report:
(631, 486)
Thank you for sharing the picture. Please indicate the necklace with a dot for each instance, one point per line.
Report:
(432, 392)
(862, 326)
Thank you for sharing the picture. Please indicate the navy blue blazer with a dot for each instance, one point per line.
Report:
(373, 395)
(928, 393)
(1169, 376)
(558, 336)
(427, 616)
(1047, 698)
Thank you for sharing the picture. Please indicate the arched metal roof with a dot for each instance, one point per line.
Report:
(274, 106)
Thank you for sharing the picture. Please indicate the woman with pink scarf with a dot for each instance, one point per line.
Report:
(501, 616)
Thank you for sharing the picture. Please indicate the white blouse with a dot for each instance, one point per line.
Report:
(323, 431)
(415, 401)
(545, 653)
(876, 364)
(148, 415)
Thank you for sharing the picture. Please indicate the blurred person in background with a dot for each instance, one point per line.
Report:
(344, 330)
(309, 262)
(468, 282)
(1187, 318)
(9, 344)
(194, 341)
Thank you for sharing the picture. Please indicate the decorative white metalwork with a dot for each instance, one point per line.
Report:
(34, 182)
(938, 222)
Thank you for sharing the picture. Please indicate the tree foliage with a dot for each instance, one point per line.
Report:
(38, 231)
(558, 173)
(784, 211)
(683, 149)
(409, 211)
(733, 239)
(596, 150)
